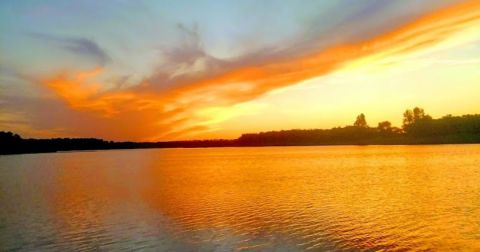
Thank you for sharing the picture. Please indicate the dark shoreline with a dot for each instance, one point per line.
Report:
(188, 145)
(418, 129)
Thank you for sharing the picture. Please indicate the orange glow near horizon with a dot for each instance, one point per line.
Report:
(214, 106)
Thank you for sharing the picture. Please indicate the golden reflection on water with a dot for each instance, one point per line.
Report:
(291, 198)
(401, 197)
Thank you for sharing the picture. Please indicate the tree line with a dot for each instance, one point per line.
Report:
(417, 128)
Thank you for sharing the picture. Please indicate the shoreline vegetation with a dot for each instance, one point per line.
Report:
(417, 128)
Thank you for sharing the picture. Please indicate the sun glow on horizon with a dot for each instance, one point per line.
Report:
(428, 61)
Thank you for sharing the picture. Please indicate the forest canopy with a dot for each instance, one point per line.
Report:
(418, 128)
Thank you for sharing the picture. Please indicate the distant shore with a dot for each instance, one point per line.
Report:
(418, 128)
(267, 139)
(223, 146)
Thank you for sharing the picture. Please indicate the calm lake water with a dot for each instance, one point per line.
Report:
(351, 198)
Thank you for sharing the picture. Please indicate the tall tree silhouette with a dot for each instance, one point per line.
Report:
(408, 118)
(419, 114)
(411, 117)
(361, 121)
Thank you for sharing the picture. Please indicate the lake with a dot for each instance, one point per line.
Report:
(334, 198)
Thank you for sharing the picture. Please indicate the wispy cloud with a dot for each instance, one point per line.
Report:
(82, 47)
(146, 112)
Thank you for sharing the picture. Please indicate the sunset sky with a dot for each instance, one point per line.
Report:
(171, 70)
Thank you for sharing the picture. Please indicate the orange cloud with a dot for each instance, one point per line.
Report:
(147, 113)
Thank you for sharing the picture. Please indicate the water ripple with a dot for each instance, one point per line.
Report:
(348, 198)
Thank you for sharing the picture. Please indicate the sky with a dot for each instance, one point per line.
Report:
(175, 70)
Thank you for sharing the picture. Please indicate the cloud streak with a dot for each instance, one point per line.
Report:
(147, 112)
(79, 46)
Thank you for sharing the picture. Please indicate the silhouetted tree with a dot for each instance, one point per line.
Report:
(414, 120)
(361, 121)
(418, 113)
(8, 136)
(408, 118)
(384, 126)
